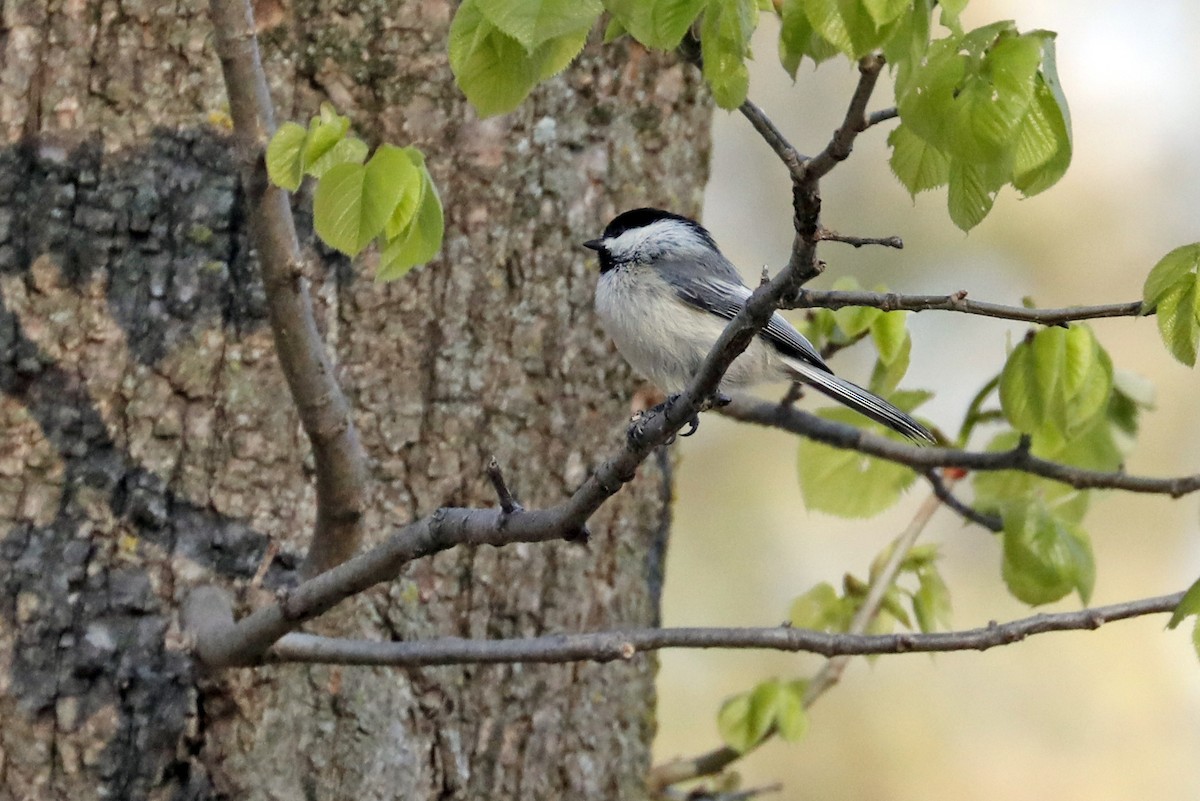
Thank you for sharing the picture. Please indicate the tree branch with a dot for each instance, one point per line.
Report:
(855, 122)
(606, 646)
(958, 302)
(841, 435)
(338, 455)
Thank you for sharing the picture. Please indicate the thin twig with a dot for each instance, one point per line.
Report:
(508, 502)
(855, 122)
(338, 455)
(958, 302)
(941, 488)
(859, 241)
(883, 115)
(841, 435)
(791, 158)
(607, 646)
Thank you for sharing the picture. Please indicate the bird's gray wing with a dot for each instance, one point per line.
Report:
(720, 290)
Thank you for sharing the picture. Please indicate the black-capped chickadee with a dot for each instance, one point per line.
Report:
(666, 293)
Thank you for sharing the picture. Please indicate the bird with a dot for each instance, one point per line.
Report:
(666, 292)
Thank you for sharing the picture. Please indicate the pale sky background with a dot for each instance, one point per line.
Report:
(1095, 716)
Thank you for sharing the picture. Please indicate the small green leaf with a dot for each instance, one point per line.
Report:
(820, 609)
(493, 70)
(659, 25)
(324, 132)
(973, 189)
(917, 164)
(931, 601)
(826, 20)
(889, 331)
(743, 721)
(285, 167)
(418, 243)
(1173, 290)
(847, 483)
(1043, 144)
(1178, 321)
(557, 54)
(1053, 108)
(534, 22)
(795, 35)
(885, 11)
(1180, 265)
(409, 165)
(350, 150)
(353, 202)
(1045, 557)
(791, 721)
(1054, 385)
(885, 378)
(725, 46)
(1196, 637)
(856, 320)
(1188, 606)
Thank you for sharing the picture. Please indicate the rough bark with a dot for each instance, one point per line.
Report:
(148, 445)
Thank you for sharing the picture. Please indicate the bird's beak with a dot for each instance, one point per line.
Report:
(594, 244)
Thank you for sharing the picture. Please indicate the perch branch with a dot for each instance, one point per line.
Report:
(338, 455)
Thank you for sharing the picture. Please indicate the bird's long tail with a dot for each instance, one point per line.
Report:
(860, 400)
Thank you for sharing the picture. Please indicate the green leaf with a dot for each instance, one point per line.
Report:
(1188, 606)
(493, 69)
(885, 378)
(826, 20)
(420, 241)
(1054, 385)
(889, 331)
(659, 25)
(285, 167)
(725, 46)
(1178, 321)
(324, 132)
(1172, 289)
(991, 103)
(856, 320)
(353, 202)
(917, 164)
(791, 721)
(973, 189)
(743, 721)
(1043, 144)
(1045, 557)
(350, 150)
(847, 483)
(412, 177)
(931, 601)
(795, 35)
(1196, 637)
(557, 54)
(820, 609)
(1180, 265)
(534, 22)
(909, 40)
(1057, 115)
(885, 11)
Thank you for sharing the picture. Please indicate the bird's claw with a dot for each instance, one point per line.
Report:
(693, 426)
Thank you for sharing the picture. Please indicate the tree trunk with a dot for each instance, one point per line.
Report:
(148, 444)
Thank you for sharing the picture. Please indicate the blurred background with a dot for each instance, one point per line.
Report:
(1109, 714)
